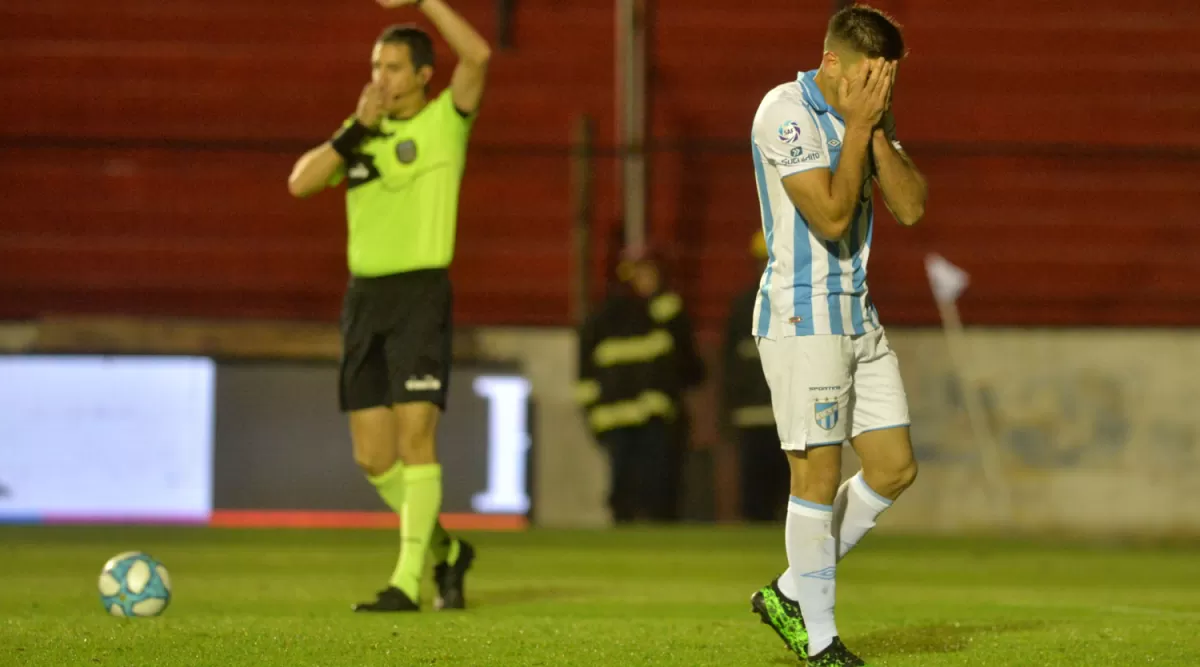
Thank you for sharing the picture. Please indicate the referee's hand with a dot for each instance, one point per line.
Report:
(865, 98)
(371, 105)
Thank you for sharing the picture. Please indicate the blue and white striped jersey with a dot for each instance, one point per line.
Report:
(810, 286)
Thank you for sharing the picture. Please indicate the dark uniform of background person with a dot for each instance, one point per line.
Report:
(402, 156)
(746, 408)
(637, 356)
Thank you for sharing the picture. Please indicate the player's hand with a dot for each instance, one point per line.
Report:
(391, 4)
(370, 105)
(865, 98)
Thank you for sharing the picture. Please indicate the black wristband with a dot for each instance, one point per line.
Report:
(349, 139)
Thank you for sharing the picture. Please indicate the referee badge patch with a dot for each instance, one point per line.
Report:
(826, 414)
(406, 151)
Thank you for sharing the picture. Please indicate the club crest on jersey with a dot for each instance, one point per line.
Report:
(406, 151)
(789, 132)
(826, 414)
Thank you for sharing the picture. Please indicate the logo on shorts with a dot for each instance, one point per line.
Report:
(826, 414)
(427, 383)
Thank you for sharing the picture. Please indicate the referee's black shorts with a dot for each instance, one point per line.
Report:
(396, 340)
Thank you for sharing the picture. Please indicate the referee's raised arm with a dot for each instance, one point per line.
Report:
(324, 165)
(467, 82)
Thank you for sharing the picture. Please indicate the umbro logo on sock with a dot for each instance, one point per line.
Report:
(827, 574)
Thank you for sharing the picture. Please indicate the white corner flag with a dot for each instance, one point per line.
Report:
(947, 280)
(948, 283)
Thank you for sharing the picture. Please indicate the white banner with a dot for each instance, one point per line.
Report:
(106, 438)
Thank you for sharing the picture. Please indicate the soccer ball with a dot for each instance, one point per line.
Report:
(134, 584)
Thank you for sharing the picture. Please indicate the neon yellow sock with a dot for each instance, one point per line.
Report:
(422, 504)
(390, 486)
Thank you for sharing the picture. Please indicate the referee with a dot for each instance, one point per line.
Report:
(402, 156)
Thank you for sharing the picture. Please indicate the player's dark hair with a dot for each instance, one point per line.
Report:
(420, 45)
(868, 31)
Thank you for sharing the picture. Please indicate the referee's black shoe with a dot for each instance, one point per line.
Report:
(450, 579)
(389, 599)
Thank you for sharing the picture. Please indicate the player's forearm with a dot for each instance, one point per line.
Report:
(468, 44)
(904, 188)
(847, 181)
(314, 170)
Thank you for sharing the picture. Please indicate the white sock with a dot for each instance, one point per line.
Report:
(812, 561)
(854, 512)
(787, 583)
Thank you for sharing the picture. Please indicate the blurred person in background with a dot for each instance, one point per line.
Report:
(820, 143)
(402, 155)
(746, 406)
(637, 358)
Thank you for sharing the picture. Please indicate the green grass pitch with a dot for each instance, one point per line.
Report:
(669, 596)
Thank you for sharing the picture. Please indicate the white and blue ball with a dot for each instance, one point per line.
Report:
(134, 584)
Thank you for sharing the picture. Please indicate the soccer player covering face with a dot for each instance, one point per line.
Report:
(401, 155)
(820, 145)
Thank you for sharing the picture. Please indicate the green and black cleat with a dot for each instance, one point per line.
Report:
(389, 599)
(836, 655)
(783, 615)
(450, 579)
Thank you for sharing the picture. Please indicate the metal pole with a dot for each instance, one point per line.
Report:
(631, 117)
(504, 23)
(581, 206)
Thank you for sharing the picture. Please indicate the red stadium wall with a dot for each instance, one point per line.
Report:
(146, 144)
(1062, 147)
(1062, 150)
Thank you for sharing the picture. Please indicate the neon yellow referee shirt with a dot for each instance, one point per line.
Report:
(402, 191)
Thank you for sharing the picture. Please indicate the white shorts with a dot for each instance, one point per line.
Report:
(826, 389)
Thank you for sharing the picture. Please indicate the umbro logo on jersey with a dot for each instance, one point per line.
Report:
(834, 143)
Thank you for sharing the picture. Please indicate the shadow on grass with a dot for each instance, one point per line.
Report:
(918, 639)
(940, 638)
(525, 595)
